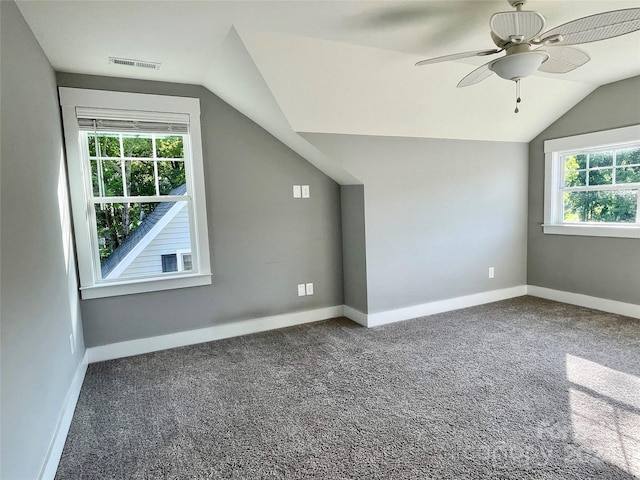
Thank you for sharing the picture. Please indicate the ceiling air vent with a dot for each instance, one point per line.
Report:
(134, 63)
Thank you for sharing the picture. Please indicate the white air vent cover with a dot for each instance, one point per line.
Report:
(134, 63)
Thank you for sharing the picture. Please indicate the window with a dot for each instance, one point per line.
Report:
(592, 184)
(184, 260)
(176, 262)
(137, 190)
(169, 263)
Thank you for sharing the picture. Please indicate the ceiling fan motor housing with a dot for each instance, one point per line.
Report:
(515, 27)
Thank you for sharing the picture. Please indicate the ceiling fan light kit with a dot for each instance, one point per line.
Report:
(527, 50)
(518, 65)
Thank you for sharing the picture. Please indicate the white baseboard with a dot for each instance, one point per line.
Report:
(208, 334)
(245, 327)
(52, 460)
(355, 315)
(611, 306)
(407, 313)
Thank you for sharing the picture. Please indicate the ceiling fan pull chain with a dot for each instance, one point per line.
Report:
(518, 99)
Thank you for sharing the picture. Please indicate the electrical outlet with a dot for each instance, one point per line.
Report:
(492, 272)
(302, 291)
(309, 288)
(72, 344)
(297, 191)
(305, 191)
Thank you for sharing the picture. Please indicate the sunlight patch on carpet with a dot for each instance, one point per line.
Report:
(605, 412)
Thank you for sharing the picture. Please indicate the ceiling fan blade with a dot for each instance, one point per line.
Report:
(476, 76)
(456, 56)
(521, 25)
(597, 27)
(563, 59)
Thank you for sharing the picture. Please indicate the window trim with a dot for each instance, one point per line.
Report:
(552, 177)
(180, 258)
(142, 106)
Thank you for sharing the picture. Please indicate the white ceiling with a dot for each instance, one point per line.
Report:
(333, 66)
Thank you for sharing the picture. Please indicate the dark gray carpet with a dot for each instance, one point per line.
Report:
(522, 389)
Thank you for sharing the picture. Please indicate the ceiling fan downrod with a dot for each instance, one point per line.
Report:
(517, 4)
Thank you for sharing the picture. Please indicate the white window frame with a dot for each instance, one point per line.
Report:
(553, 202)
(143, 107)
(180, 258)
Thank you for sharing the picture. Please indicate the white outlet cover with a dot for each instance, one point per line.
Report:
(305, 191)
(297, 191)
(309, 288)
(301, 290)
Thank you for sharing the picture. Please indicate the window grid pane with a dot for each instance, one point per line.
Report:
(187, 263)
(133, 238)
(628, 175)
(169, 263)
(600, 159)
(150, 164)
(601, 206)
(597, 186)
(628, 156)
(602, 176)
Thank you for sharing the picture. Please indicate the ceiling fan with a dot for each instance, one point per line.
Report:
(527, 50)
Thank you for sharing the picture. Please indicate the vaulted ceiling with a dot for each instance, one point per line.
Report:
(344, 67)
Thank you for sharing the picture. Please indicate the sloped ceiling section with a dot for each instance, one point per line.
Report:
(331, 87)
(338, 67)
(235, 78)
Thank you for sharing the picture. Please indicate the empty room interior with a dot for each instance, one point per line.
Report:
(318, 239)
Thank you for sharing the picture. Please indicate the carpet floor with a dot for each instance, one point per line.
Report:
(519, 389)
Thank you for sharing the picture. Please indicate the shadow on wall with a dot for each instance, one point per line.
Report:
(69, 253)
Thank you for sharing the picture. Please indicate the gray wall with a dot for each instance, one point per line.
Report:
(263, 241)
(39, 289)
(597, 266)
(354, 248)
(438, 214)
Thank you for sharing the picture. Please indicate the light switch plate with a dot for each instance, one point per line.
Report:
(297, 191)
(305, 191)
(301, 290)
(309, 288)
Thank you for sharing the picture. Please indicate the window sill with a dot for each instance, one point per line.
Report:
(142, 286)
(632, 231)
